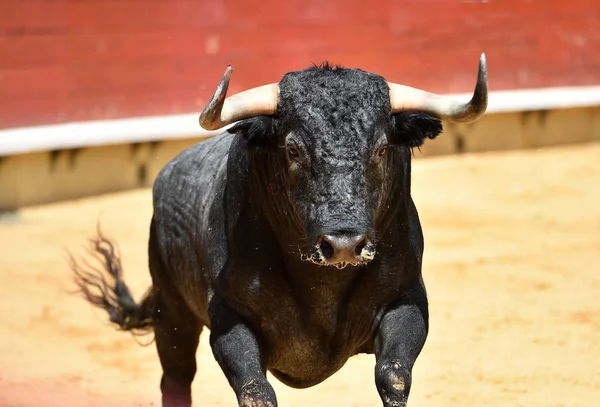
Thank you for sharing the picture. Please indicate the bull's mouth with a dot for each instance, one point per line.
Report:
(319, 255)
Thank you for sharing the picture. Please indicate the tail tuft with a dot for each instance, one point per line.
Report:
(105, 288)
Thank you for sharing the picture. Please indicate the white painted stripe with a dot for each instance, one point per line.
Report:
(103, 132)
(542, 99)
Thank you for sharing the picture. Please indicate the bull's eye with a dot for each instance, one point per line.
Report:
(293, 154)
(381, 152)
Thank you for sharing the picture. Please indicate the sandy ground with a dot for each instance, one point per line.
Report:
(512, 266)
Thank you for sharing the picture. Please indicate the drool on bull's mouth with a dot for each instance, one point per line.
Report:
(321, 255)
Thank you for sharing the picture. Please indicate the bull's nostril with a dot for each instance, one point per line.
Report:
(326, 249)
(360, 246)
(344, 249)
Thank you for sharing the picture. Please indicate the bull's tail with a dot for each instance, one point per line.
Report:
(104, 288)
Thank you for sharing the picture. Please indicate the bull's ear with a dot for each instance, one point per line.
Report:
(259, 132)
(412, 129)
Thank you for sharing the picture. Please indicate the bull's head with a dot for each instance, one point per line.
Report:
(346, 136)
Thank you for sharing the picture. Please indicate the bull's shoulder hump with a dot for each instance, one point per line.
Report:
(193, 171)
(201, 158)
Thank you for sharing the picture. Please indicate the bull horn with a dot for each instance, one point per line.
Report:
(221, 111)
(404, 98)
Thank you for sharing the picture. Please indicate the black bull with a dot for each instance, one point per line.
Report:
(292, 236)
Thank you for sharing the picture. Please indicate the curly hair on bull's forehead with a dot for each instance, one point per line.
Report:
(347, 99)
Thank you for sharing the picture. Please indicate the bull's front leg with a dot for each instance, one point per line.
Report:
(399, 339)
(237, 351)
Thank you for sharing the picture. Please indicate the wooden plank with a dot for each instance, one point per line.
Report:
(134, 16)
(22, 16)
(315, 12)
(142, 103)
(25, 83)
(32, 112)
(27, 51)
(122, 77)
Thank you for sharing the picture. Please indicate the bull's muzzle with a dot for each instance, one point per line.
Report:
(341, 250)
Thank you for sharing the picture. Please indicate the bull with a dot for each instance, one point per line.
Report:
(292, 236)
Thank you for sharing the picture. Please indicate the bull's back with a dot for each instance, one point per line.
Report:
(183, 194)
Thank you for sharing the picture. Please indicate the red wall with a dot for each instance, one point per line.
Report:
(66, 60)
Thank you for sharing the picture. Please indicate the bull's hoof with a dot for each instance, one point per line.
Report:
(393, 383)
(257, 394)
